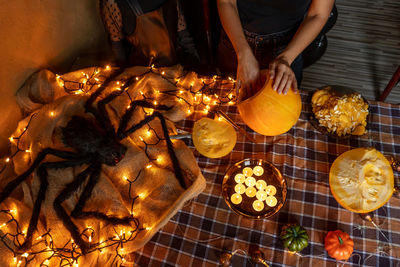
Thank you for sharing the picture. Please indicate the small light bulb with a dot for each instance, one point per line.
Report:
(258, 170)
(271, 201)
(236, 198)
(137, 78)
(240, 188)
(149, 166)
(7, 159)
(258, 205)
(239, 178)
(162, 73)
(251, 191)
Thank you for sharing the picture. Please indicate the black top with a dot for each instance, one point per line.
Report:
(271, 16)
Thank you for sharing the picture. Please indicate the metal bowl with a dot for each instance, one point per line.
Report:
(340, 91)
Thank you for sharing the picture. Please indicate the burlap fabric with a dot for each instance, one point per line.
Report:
(156, 189)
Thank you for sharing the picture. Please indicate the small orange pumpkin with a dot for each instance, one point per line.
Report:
(270, 113)
(339, 245)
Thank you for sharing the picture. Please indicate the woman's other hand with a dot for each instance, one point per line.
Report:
(283, 76)
(248, 74)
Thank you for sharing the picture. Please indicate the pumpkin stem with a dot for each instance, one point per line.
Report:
(294, 232)
(340, 240)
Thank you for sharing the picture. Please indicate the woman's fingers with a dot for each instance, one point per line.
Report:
(278, 78)
(282, 83)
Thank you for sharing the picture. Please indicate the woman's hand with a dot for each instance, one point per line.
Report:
(280, 70)
(248, 74)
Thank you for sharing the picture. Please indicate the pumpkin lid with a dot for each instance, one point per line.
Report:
(361, 180)
(213, 138)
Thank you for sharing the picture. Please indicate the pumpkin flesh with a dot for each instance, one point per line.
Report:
(213, 138)
(361, 180)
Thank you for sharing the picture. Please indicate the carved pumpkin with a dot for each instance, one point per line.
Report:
(361, 180)
(270, 113)
(339, 245)
(213, 138)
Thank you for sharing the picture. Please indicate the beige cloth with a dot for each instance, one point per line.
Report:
(161, 194)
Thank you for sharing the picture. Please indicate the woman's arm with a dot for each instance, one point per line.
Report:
(317, 15)
(248, 70)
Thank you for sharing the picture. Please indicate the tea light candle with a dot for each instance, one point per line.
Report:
(236, 198)
(239, 178)
(247, 171)
(271, 201)
(240, 188)
(271, 190)
(261, 195)
(251, 191)
(258, 205)
(258, 170)
(261, 185)
(250, 181)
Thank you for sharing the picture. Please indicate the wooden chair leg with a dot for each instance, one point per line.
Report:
(392, 83)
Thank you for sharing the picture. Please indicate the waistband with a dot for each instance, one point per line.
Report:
(287, 32)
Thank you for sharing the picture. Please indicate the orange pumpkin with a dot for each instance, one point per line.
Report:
(270, 113)
(339, 245)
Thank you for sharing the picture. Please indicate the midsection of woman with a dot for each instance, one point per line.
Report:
(267, 17)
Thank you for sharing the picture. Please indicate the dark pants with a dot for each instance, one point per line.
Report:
(265, 49)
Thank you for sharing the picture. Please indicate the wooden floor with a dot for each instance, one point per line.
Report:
(363, 49)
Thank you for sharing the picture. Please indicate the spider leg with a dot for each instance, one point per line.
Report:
(171, 152)
(87, 192)
(42, 174)
(9, 188)
(129, 112)
(63, 215)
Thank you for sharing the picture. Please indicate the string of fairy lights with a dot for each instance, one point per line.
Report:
(205, 97)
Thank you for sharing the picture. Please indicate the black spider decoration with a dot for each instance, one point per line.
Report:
(95, 142)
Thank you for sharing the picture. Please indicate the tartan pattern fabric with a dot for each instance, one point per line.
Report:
(206, 227)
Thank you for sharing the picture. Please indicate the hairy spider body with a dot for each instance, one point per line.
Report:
(95, 142)
(88, 138)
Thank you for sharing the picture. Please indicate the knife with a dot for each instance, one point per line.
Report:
(237, 127)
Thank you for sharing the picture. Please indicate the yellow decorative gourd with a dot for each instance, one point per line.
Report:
(270, 113)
